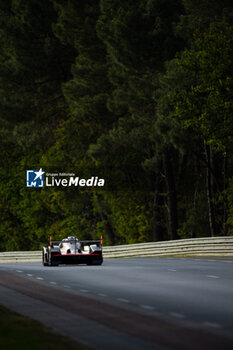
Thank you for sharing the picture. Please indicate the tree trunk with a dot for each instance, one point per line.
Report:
(225, 208)
(210, 189)
(157, 215)
(171, 197)
(107, 226)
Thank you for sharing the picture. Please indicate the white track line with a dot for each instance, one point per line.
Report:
(172, 270)
(65, 286)
(147, 307)
(177, 315)
(123, 300)
(213, 325)
(84, 290)
(102, 295)
(28, 274)
(212, 276)
(39, 278)
(52, 282)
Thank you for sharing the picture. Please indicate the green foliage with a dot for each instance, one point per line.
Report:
(196, 223)
(129, 215)
(206, 104)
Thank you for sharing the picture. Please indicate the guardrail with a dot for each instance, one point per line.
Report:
(210, 246)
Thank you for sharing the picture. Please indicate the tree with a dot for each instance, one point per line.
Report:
(133, 65)
(86, 94)
(203, 104)
(33, 65)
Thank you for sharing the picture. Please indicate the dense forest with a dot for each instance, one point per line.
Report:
(138, 92)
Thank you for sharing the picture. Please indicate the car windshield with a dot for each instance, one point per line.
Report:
(70, 240)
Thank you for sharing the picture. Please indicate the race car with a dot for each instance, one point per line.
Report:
(72, 251)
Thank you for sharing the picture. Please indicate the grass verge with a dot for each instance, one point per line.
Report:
(21, 333)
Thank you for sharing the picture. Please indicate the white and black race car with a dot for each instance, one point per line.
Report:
(72, 251)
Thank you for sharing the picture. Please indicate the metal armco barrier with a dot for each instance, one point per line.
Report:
(211, 246)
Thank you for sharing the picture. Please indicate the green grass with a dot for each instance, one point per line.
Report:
(21, 333)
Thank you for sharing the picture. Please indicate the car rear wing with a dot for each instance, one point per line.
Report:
(89, 242)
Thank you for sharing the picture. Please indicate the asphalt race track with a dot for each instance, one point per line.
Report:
(136, 303)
